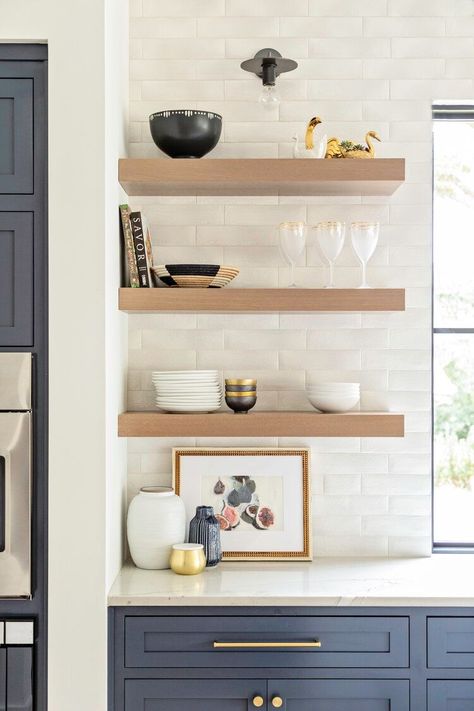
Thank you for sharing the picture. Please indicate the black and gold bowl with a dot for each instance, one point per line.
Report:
(241, 402)
(240, 385)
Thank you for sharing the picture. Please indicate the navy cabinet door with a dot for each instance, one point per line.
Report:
(340, 695)
(451, 642)
(19, 679)
(16, 279)
(451, 695)
(3, 679)
(16, 135)
(198, 695)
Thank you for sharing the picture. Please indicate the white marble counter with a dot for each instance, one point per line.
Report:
(444, 580)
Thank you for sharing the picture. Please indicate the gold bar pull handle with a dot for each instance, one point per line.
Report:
(265, 645)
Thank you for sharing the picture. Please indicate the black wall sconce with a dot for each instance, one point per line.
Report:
(267, 65)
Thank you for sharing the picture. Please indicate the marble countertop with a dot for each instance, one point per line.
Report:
(443, 580)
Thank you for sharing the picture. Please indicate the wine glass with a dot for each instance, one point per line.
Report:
(292, 244)
(364, 237)
(330, 237)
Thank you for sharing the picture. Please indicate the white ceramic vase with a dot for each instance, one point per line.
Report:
(156, 521)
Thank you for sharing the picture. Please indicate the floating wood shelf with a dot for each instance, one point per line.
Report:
(260, 176)
(261, 300)
(261, 424)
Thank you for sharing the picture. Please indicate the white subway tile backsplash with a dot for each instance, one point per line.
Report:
(374, 64)
(336, 545)
(408, 547)
(348, 89)
(353, 47)
(347, 8)
(147, 27)
(430, 89)
(403, 69)
(271, 8)
(321, 27)
(182, 90)
(176, 48)
(420, 8)
(232, 27)
(183, 8)
(401, 525)
(436, 47)
(246, 47)
(404, 27)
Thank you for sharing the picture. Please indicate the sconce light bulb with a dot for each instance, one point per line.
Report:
(269, 95)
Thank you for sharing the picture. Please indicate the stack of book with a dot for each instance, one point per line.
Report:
(137, 251)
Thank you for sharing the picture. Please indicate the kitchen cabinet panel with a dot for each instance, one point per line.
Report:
(200, 695)
(20, 679)
(16, 135)
(352, 641)
(455, 695)
(450, 642)
(3, 679)
(16, 278)
(340, 695)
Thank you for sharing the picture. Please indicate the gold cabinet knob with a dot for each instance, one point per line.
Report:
(277, 702)
(258, 701)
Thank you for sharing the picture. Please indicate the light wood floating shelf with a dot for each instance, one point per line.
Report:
(260, 176)
(262, 300)
(261, 424)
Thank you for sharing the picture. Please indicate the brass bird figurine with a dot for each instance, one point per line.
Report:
(347, 149)
(309, 141)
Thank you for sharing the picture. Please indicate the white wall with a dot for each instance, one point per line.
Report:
(84, 138)
(372, 64)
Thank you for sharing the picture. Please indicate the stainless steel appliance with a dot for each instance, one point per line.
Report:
(15, 474)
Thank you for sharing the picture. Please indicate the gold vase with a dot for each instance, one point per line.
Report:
(187, 558)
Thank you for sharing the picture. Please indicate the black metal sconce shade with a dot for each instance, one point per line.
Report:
(268, 64)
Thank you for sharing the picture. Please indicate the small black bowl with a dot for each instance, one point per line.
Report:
(240, 405)
(185, 133)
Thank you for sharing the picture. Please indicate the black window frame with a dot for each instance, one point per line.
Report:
(444, 112)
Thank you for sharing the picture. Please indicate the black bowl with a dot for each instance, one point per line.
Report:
(185, 133)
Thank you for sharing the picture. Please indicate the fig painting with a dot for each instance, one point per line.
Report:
(241, 501)
(260, 496)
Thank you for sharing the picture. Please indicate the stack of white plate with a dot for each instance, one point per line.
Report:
(333, 397)
(187, 390)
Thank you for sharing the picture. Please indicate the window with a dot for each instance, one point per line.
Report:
(453, 326)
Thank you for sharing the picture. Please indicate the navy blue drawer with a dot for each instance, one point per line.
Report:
(157, 641)
(451, 642)
(451, 695)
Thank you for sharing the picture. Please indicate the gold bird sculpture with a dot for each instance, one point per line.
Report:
(347, 149)
(309, 139)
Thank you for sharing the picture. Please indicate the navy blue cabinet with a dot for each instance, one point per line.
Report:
(451, 642)
(295, 659)
(451, 695)
(198, 695)
(16, 679)
(16, 278)
(16, 134)
(340, 695)
(344, 642)
(3, 679)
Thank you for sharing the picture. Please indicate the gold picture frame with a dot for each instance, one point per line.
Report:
(189, 473)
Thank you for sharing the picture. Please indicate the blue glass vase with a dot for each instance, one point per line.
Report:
(204, 528)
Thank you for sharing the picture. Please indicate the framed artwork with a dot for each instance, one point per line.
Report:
(261, 498)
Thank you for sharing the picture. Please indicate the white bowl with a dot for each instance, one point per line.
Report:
(333, 393)
(345, 391)
(333, 386)
(333, 403)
